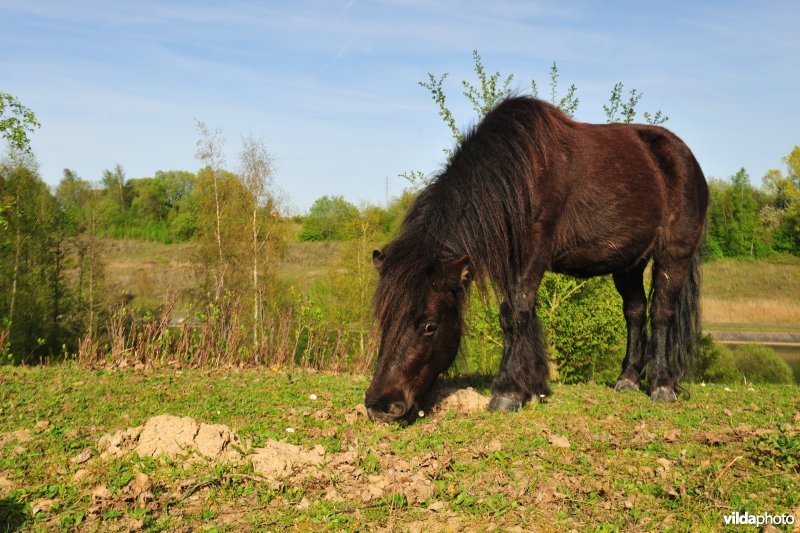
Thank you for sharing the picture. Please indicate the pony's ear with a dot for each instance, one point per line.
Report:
(458, 271)
(377, 258)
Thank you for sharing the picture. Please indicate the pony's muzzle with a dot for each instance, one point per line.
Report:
(391, 412)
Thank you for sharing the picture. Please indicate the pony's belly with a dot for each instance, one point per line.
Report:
(587, 271)
(600, 258)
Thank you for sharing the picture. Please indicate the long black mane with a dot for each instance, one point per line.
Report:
(481, 205)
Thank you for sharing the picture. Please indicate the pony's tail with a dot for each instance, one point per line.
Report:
(683, 337)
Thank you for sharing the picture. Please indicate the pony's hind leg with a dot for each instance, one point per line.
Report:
(630, 286)
(669, 278)
(524, 370)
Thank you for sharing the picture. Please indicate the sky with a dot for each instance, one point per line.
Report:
(331, 87)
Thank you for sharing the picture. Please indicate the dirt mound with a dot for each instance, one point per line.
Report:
(282, 460)
(461, 401)
(181, 435)
(282, 463)
(173, 436)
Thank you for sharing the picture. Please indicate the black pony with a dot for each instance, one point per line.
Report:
(530, 190)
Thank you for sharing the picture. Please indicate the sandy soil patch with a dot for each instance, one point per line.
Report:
(341, 475)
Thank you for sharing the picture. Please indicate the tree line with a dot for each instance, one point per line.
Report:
(52, 243)
(744, 220)
(749, 221)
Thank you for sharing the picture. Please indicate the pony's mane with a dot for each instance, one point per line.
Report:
(480, 205)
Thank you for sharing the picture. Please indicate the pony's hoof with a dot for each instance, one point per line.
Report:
(663, 394)
(505, 403)
(625, 384)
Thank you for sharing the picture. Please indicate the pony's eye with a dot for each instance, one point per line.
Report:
(429, 328)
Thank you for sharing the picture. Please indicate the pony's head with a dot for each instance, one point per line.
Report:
(419, 305)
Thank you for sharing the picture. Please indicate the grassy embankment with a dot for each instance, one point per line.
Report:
(588, 460)
(737, 294)
(752, 294)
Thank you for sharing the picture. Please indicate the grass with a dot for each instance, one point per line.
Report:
(758, 312)
(306, 261)
(777, 277)
(752, 292)
(743, 292)
(148, 269)
(629, 464)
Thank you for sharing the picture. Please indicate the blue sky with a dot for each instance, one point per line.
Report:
(331, 87)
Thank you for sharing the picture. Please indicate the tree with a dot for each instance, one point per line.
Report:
(209, 151)
(490, 89)
(256, 175)
(114, 202)
(628, 109)
(160, 208)
(73, 195)
(784, 194)
(148, 200)
(177, 185)
(741, 223)
(33, 262)
(568, 103)
(17, 122)
(364, 231)
(327, 219)
(114, 182)
(79, 203)
(742, 227)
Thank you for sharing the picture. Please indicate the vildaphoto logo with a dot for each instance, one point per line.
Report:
(747, 519)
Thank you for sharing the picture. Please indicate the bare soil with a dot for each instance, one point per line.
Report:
(280, 463)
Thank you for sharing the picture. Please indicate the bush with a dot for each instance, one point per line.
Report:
(183, 226)
(760, 364)
(715, 364)
(585, 327)
(327, 219)
(582, 320)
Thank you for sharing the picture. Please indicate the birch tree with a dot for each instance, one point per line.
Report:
(210, 152)
(255, 172)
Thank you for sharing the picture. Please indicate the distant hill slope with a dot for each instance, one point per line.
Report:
(765, 292)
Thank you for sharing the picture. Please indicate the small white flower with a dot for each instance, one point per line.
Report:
(421, 413)
(727, 389)
(289, 430)
(312, 396)
(703, 384)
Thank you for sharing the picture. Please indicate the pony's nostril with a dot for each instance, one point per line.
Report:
(397, 409)
(386, 409)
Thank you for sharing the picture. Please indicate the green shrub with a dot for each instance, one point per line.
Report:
(582, 320)
(715, 364)
(585, 327)
(761, 364)
(183, 226)
(327, 219)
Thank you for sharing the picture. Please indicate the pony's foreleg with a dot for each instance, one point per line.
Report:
(630, 286)
(523, 370)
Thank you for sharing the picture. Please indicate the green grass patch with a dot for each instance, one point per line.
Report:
(775, 277)
(589, 459)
